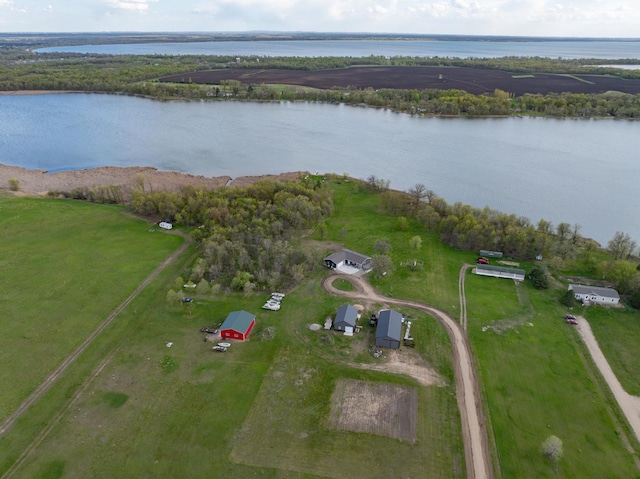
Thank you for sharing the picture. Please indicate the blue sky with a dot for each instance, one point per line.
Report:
(582, 18)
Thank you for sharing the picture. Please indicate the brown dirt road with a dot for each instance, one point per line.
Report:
(630, 405)
(474, 431)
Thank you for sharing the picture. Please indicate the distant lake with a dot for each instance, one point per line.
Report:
(576, 171)
(362, 48)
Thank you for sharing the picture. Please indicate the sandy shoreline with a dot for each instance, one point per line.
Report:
(40, 182)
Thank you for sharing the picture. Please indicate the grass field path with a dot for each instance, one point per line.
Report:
(474, 432)
(630, 405)
(72, 358)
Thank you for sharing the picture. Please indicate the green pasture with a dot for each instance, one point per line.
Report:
(258, 410)
(538, 381)
(133, 407)
(65, 266)
(618, 333)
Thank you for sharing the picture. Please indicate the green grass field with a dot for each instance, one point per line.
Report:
(132, 407)
(65, 266)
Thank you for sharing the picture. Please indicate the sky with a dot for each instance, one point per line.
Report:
(546, 18)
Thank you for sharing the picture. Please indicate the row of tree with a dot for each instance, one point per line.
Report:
(465, 227)
(138, 74)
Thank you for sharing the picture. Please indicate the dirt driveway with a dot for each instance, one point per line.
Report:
(474, 431)
(629, 404)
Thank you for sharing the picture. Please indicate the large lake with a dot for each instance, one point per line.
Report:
(362, 48)
(578, 171)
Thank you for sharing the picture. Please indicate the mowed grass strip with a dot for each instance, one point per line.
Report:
(537, 384)
(65, 266)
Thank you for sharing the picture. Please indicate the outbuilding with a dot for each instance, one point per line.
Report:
(594, 294)
(346, 317)
(389, 329)
(500, 272)
(238, 325)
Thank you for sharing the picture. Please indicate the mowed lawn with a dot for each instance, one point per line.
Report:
(538, 381)
(65, 266)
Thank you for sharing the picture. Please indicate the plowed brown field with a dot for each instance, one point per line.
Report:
(472, 80)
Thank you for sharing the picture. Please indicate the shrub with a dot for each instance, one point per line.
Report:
(14, 184)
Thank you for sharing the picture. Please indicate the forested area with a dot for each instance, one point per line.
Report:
(250, 237)
(22, 69)
(467, 228)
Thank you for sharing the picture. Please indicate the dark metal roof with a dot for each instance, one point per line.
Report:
(389, 325)
(346, 314)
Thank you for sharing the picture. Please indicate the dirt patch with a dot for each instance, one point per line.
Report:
(472, 80)
(408, 363)
(375, 408)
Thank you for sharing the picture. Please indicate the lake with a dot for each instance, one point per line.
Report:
(577, 171)
(361, 48)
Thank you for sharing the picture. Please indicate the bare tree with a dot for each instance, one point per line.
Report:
(418, 192)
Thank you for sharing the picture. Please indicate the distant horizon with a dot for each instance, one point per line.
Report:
(288, 34)
(534, 18)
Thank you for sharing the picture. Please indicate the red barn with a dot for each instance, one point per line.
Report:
(238, 325)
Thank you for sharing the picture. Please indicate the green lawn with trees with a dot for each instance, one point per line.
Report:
(131, 405)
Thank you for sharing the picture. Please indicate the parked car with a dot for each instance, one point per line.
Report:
(569, 316)
(572, 321)
(483, 260)
(187, 300)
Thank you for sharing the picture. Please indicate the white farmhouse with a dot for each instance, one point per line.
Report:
(593, 294)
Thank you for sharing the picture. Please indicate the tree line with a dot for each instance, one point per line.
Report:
(21, 69)
(467, 228)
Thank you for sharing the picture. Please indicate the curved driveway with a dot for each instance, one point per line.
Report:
(474, 432)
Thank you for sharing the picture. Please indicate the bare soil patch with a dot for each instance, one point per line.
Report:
(375, 408)
(472, 80)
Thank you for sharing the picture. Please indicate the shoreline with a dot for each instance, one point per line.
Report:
(40, 182)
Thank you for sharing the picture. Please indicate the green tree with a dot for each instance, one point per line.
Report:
(539, 278)
(621, 246)
(14, 184)
(416, 242)
(568, 299)
(382, 265)
(402, 223)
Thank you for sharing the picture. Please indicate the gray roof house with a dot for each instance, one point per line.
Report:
(346, 257)
(346, 317)
(389, 330)
(593, 294)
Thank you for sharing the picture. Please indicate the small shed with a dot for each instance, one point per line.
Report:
(389, 329)
(238, 325)
(594, 294)
(500, 272)
(490, 254)
(346, 317)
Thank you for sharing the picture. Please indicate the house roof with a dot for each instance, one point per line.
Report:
(347, 314)
(239, 321)
(344, 254)
(500, 269)
(389, 325)
(594, 290)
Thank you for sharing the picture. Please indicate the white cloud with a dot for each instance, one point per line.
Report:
(137, 5)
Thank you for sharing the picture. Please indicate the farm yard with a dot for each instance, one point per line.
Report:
(291, 401)
(472, 80)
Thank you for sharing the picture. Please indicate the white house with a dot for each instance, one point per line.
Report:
(593, 294)
(346, 257)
